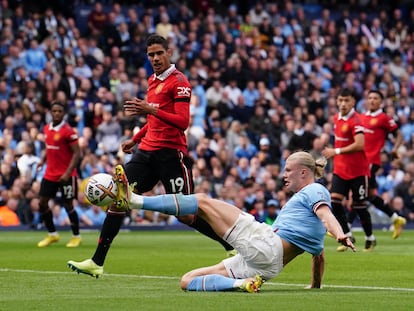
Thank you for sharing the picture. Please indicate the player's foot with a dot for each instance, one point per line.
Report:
(330, 234)
(252, 285)
(369, 246)
(343, 248)
(398, 224)
(124, 189)
(87, 266)
(231, 253)
(48, 240)
(74, 241)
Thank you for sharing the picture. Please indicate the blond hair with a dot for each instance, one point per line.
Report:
(304, 158)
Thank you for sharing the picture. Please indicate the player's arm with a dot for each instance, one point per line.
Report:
(180, 118)
(128, 145)
(332, 225)
(42, 159)
(318, 268)
(357, 145)
(74, 146)
(397, 143)
(140, 134)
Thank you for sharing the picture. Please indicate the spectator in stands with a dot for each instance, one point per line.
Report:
(245, 148)
(8, 216)
(96, 20)
(35, 59)
(93, 216)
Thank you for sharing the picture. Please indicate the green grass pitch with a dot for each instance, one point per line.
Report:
(143, 270)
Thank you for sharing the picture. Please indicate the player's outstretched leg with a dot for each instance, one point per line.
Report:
(171, 204)
(218, 283)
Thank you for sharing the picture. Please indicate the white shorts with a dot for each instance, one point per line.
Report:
(260, 250)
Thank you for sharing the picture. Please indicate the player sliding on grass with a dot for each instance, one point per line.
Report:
(263, 250)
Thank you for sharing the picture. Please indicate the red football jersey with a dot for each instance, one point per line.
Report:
(58, 142)
(349, 165)
(377, 127)
(170, 92)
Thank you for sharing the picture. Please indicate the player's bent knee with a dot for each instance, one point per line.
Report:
(203, 200)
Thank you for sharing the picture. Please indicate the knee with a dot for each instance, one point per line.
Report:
(202, 199)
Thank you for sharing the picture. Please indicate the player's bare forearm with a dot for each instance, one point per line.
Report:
(332, 226)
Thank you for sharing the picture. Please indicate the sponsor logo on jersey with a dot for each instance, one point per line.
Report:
(183, 91)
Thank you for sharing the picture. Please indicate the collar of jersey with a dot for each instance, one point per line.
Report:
(57, 127)
(346, 117)
(374, 113)
(165, 74)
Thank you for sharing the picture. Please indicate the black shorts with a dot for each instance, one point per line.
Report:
(172, 167)
(358, 186)
(68, 190)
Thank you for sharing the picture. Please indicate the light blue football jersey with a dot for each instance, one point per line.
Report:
(298, 224)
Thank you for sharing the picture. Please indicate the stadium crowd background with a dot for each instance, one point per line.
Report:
(264, 77)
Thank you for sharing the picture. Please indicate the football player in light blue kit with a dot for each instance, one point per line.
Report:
(296, 222)
(263, 250)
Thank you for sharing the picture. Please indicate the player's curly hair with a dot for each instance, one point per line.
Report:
(157, 39)
(306, 159)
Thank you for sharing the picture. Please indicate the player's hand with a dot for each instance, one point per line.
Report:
(328, 152)
(130, 108)
(346, 241)
(137, 106)
(64, 178)
(128, 146)
(39, 166)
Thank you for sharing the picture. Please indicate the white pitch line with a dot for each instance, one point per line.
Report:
(399, 289)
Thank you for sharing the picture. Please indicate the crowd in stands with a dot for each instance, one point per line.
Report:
(264, 77)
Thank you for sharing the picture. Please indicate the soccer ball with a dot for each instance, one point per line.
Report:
(100, 189)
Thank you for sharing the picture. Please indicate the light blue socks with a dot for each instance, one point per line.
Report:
(171, 204)
(211, 283)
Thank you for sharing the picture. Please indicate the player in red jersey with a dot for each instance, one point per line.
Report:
(378, 125)
(162, 148)
(351, 169)
(62, 157)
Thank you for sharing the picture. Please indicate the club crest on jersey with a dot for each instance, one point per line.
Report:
(373, 121)
(56, 137)
(159, 88)
(183, 91)
(344, 128)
